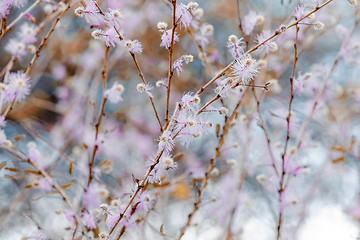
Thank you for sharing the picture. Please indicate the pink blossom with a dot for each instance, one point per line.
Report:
(300, 12)
(114, 18)
(4, 8)
(165, 165)
(245, 69)
(45, 185)
(16, 47)
(145, 201)
(92, 198)
(236, 46)
(110, 36)
(202, 36)
(249, 22)
(28, 16)
(166, 38)
(191, 127)
(166, 142)
(261, 38)
(177, 65)
(114, 93)
(134, 46)
(91, 13)
(19, 3)
(27, 33)
(88, 220)
(18, 87)
(183, 14)
(34, 154)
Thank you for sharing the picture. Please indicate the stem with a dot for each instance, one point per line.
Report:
(101, 114)
(261, 124)
(143, 80)
(171, 72)
(282, 186)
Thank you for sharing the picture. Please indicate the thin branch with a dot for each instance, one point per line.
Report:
(101, 114)
(282, 186)
(171, 72)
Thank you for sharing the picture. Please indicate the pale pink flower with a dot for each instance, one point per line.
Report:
(166, 143)
(45, 185)
(110, 36)
(165, 165)
(236, 46)
(4, 8)
(91, 13)
(19, 3)
(15, 47)
(114, 17)
(204, 33)
(177, 65)
(88, 219)
(145, 201)
(27, 33)
(300, 12)
(183, 14)
(245, 69)
(249, 22)
(18, 87)
(261, 38)
(114, 93)
(166, 38)
(134, 46)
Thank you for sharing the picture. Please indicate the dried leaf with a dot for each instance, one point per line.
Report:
(18, 137)
(217, 130)
(36, 199)
(2, 165)
(67, 185)
(338, 148)
(32, 171)
(12, 169)
(162, 229)
(340, 159)
(70, 168)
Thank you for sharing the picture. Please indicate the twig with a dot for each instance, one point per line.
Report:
(282, 186)
(143, 80)
(171, 72)
(101, 114)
